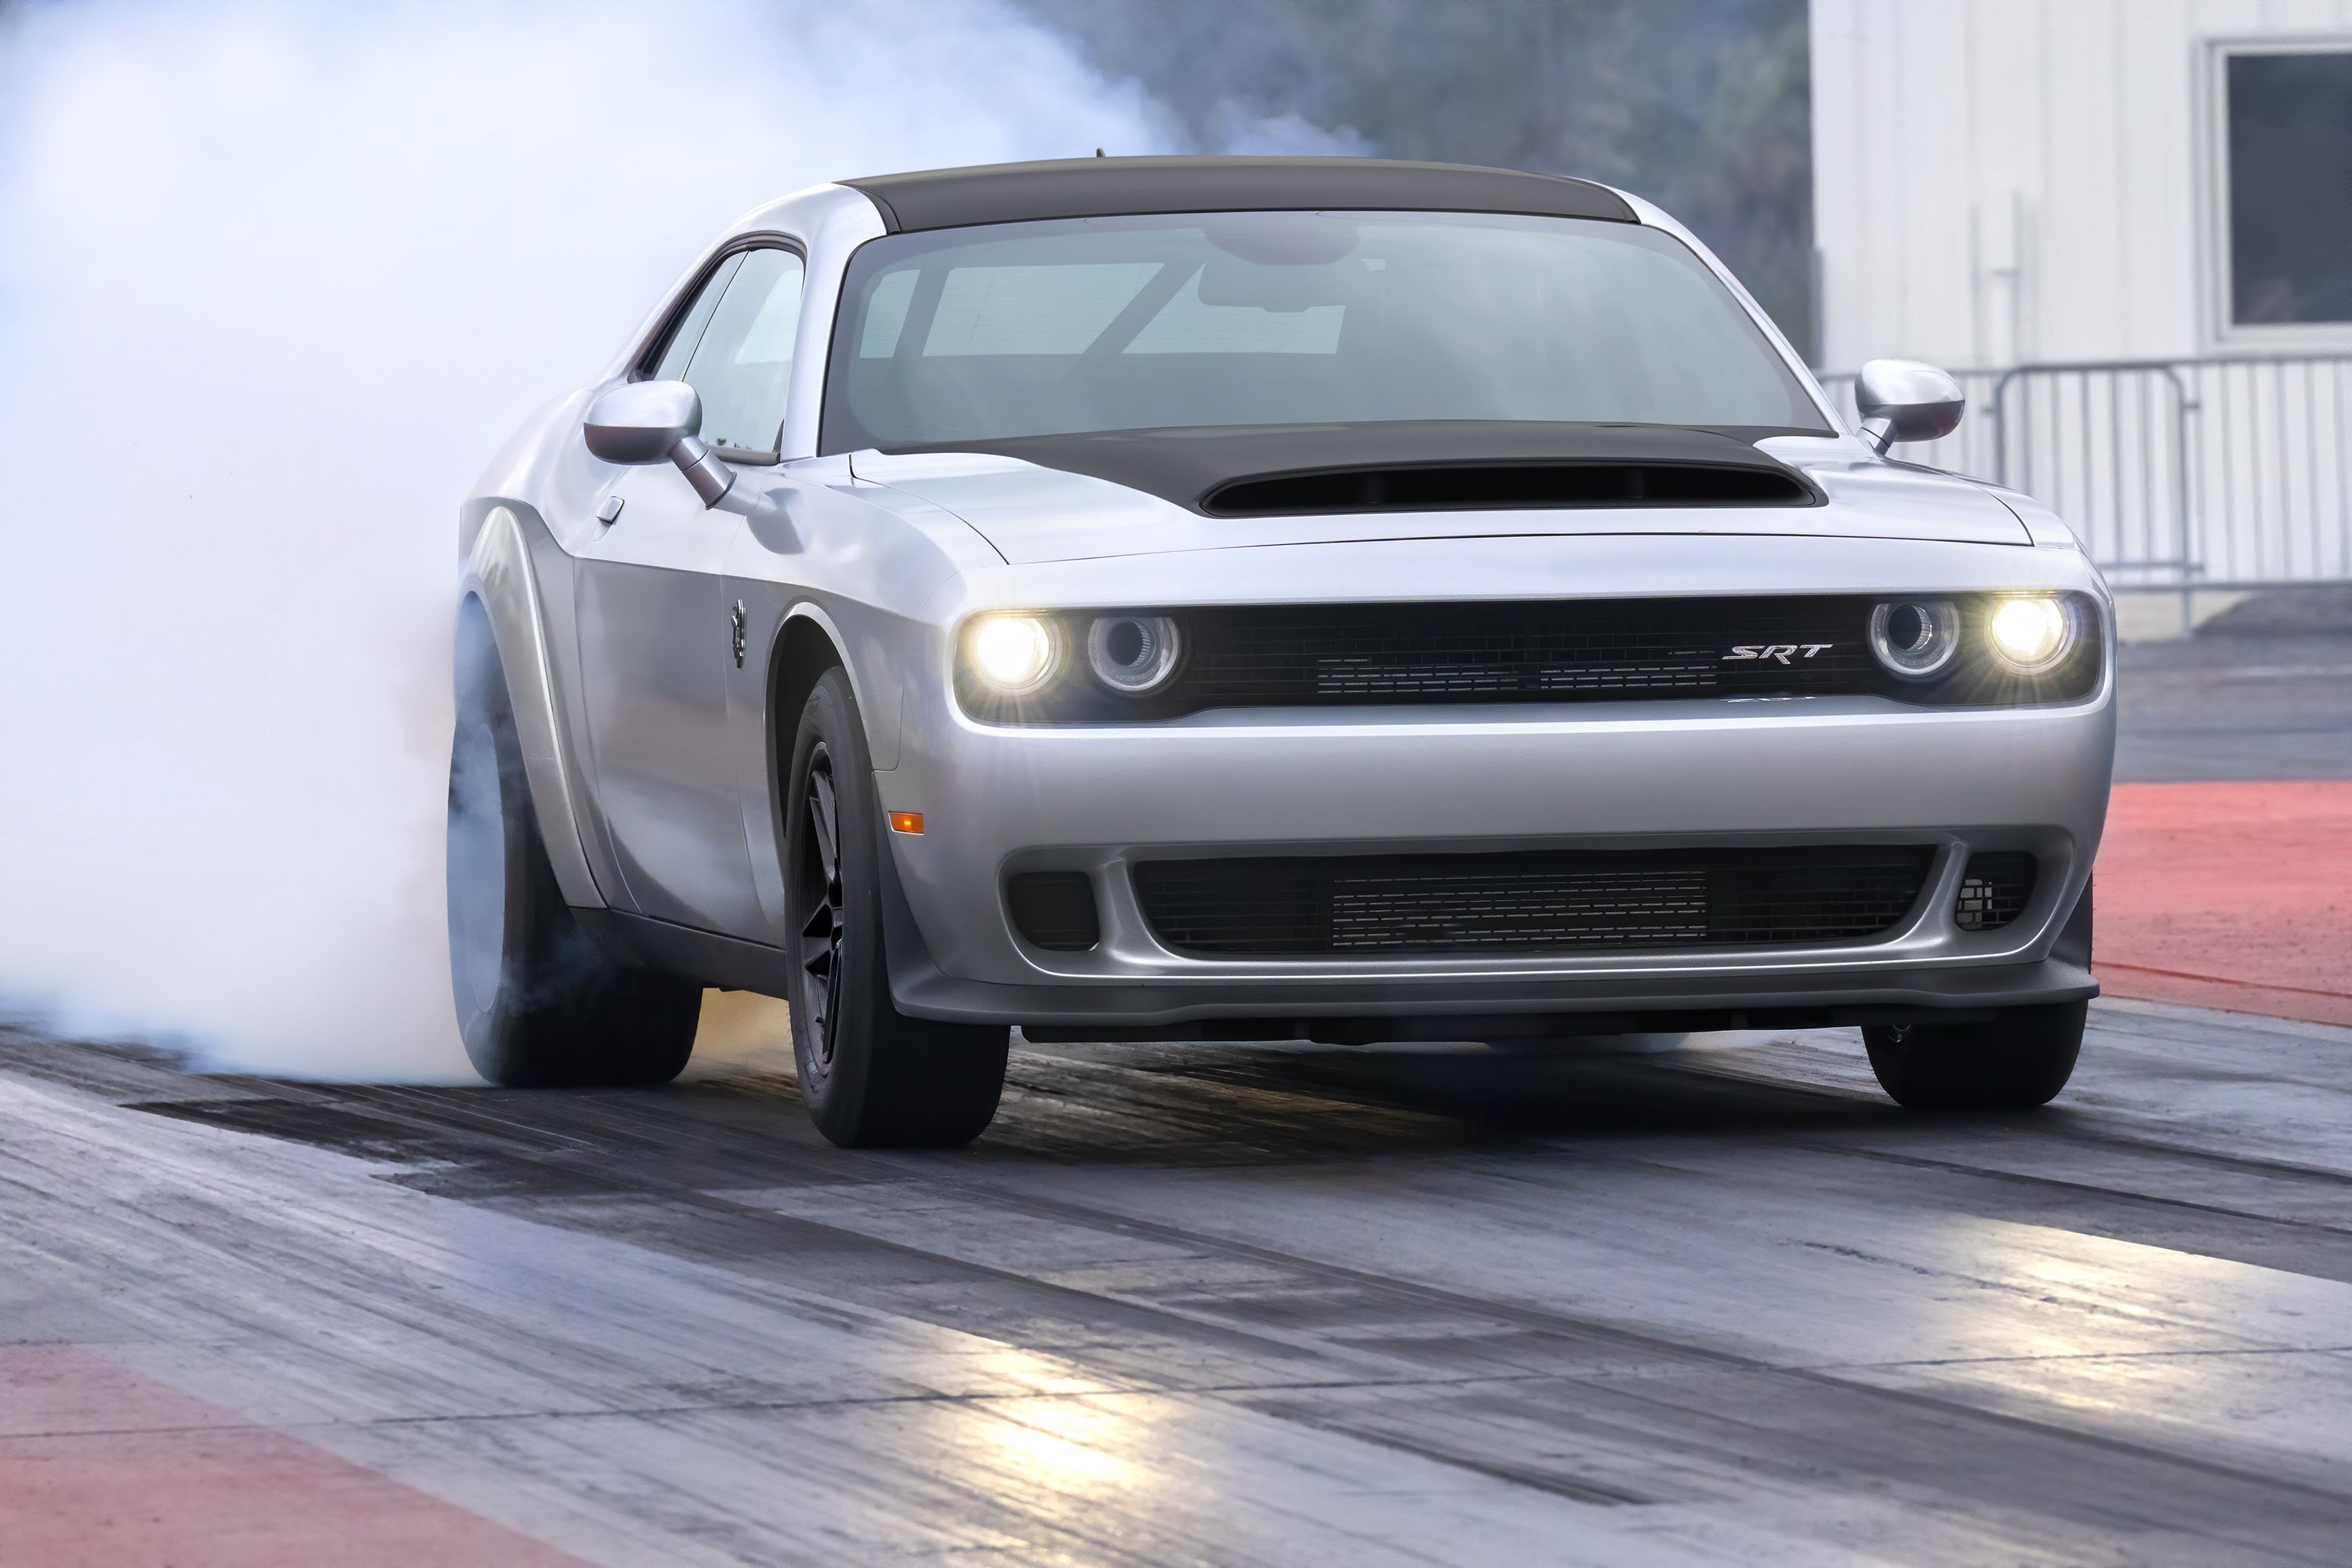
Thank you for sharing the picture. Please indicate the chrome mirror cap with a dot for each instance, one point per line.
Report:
(653, 422)
(1904, 400)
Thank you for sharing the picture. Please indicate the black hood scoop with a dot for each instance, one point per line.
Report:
(1457, 487)
(1431, 466)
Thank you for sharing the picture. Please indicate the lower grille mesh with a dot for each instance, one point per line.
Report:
(1994, 889)
(1555, 900)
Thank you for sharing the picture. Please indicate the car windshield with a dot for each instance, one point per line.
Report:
(1286, 318)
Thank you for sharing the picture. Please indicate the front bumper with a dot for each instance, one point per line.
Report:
(999, 800)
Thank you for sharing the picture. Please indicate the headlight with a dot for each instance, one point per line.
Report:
(1915, 638)
(1015, 655)
(1133, 655)
(2029, 634)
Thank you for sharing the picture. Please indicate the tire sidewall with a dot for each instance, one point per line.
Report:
(2020, 1059)
(835, 1091)
(485, 735)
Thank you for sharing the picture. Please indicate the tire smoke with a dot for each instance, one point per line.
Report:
(278, 281)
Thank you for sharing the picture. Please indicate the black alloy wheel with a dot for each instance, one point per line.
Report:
(870, 1075)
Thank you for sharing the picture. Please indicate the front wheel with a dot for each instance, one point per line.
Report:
(870, 1075)
(2018, 1059)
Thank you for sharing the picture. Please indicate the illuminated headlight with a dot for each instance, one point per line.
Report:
(1133, 655)
(1015, 655)
(2029, 634)
(1915, 638)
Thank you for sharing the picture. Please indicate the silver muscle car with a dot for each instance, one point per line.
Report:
(1256, 598)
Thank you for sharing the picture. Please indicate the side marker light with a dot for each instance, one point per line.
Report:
(907, 822)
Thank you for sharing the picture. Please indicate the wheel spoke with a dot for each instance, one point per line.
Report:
(818, 895)
(822, 820)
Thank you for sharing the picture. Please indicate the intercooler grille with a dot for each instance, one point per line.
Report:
(1548, 901)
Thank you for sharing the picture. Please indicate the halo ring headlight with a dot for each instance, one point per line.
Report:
(1914, 638)
(1134, 655)
(2029, 634)
(1015, 655)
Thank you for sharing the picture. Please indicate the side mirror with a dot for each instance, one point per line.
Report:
(653, 422)
(1903, 400)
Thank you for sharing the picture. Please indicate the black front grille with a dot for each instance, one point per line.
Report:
(1994, 889)
(1559, 901)
(1633, 648)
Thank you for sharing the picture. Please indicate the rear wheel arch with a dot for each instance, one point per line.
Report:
(477, 639)
(538, 1002)
(500, 585)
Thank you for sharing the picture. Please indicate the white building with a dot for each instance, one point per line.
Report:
(2031, 183)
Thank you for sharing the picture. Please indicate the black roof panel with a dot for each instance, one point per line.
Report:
(1102, 187)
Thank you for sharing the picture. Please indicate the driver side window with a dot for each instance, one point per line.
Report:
(734, 347)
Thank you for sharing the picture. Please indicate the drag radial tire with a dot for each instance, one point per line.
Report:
(870, 1075)
(2020, 1058)
(538, 1005)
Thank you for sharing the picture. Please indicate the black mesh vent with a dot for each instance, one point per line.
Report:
(1529, 652)
(1055, 910)
(1446, 487)
(1994, 889)
(1555, 900)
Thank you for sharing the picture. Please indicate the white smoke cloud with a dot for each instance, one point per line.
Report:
(275, 281)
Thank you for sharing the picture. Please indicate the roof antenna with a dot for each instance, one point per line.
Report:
(1099, 151)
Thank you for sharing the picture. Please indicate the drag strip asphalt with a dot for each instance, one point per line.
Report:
(1625, 1302)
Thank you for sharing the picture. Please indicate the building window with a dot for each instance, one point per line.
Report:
(2287, 121)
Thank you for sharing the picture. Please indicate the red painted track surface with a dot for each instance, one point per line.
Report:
(2236, 896)
(101, 1467)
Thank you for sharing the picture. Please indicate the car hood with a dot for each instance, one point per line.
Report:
(1032, 510)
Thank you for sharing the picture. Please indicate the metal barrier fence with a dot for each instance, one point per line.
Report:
(2220, 472)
